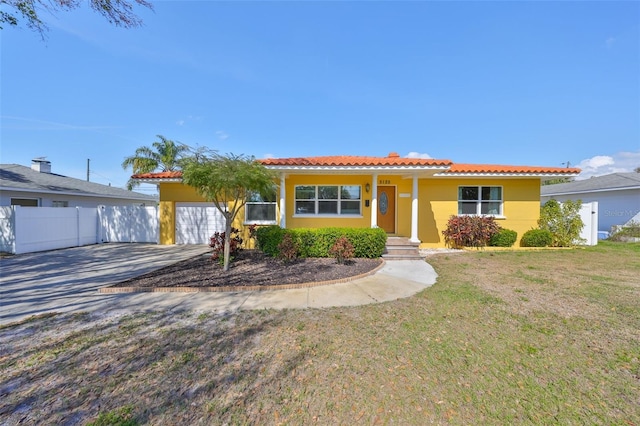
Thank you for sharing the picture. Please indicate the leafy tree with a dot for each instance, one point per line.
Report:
(117, 12)
(637, 170)
(563, 221)
(228, 182)
(164, 155)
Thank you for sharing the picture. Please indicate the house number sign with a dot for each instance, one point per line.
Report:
(384, 182)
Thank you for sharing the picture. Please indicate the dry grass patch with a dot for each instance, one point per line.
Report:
(502, 338)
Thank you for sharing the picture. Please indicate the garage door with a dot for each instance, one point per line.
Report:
(197, 222)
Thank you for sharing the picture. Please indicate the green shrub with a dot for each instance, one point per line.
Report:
(469, 231)
(626, 232)
(268, 238)
(316, 242)
(503, 238)
(563, 221)
(537, 238)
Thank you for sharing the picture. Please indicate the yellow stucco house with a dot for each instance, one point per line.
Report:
(407, 197)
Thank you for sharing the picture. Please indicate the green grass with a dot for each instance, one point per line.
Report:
(544, 337)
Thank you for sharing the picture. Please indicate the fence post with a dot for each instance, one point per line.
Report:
(594, 223)
(78, 226)
(100, 236)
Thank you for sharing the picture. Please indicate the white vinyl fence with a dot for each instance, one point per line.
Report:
(128, 224)
(589, 215)
(32, 229)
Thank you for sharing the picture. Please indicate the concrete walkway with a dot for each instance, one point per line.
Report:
(68, 281)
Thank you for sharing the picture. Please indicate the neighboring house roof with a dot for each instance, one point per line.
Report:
(14, 177)
(393, 162)
(611, 182)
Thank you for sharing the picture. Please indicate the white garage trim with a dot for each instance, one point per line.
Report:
(197, 222)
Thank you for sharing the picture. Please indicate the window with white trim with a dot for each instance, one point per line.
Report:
(328, 200)
(260, 210)
(60, 203)
(480, 200)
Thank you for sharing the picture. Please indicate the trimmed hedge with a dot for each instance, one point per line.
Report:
(537, 238)
(268, 238)
(317, 242)
(503, 238)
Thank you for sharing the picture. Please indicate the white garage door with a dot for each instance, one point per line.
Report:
(197, 222)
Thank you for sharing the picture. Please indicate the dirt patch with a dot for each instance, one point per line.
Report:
(251, 268)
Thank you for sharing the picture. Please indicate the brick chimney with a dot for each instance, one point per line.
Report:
(41, 165)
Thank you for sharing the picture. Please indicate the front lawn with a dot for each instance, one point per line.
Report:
(527, 337)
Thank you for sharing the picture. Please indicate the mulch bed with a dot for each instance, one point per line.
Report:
(250, 268)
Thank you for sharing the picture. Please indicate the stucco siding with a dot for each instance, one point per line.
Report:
(439, 201)
(298, 221)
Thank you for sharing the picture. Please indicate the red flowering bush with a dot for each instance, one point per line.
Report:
(470, 231)
(216, 242)
(342, 250)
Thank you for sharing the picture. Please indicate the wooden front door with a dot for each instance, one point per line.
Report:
(387, 208)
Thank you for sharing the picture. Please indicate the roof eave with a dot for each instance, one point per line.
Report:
(587, 191)
(77, 194)
(528, 175)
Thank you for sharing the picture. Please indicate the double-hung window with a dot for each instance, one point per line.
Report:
(328, 200)
(260, 210)
(480, 200)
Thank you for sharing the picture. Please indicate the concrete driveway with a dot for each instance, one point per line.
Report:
(68, 281)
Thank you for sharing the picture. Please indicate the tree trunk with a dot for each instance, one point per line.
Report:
(227, 243)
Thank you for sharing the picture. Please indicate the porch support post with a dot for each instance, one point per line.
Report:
(283, 203)
(374, 201)
(414, 211)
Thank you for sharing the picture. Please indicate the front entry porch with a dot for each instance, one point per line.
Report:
(401, 248)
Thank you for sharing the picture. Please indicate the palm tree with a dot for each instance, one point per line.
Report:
(164, 155)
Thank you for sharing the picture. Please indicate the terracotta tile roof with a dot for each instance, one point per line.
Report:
(353, 161)
(502, 169)
(158, 175)
(393, 160)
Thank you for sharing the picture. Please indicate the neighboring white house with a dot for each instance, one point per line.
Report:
(617, 194)
(38, 187)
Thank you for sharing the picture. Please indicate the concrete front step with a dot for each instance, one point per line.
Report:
(399, 248)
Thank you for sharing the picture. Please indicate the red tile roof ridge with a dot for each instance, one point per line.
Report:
(353, 161)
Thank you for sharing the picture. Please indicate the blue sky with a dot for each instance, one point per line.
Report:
(523, 83)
